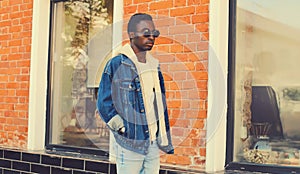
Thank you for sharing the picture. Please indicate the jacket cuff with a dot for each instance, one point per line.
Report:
(116, 122)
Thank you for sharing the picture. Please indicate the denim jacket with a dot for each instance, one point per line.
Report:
(120, 94)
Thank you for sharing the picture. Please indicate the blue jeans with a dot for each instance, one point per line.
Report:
(129, 162)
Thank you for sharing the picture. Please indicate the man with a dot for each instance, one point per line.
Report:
(131, 100)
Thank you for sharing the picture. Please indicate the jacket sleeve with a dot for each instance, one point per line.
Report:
(105, 103)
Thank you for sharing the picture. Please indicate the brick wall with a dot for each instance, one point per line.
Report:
(15, 45)
(182, 50)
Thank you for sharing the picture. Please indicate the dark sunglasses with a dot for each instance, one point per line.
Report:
(147, 33)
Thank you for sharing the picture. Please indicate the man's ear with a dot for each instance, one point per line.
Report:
(131, 35)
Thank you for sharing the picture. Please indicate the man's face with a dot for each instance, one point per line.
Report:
(141, 41)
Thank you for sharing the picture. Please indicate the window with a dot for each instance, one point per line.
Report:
(265, 85)
(81, 39)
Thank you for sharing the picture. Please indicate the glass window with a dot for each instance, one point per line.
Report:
(267, 82)
(81, 38)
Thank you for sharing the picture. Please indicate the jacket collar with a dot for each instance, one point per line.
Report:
(128, 52)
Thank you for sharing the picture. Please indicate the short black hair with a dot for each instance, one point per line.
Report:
(135, 19)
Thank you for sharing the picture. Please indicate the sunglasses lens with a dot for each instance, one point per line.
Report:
(155, 33)
(147, 33)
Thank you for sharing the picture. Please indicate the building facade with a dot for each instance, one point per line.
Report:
(221, 60)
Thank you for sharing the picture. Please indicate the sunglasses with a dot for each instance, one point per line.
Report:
(147, 33)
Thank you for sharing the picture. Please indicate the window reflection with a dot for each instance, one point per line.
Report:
(267, 84)
(78, 26)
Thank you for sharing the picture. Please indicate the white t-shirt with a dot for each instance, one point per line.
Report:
(148, 85)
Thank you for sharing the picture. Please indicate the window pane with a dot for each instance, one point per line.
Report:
(267, 82)
(81, 37)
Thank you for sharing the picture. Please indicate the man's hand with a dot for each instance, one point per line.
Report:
(116, 124)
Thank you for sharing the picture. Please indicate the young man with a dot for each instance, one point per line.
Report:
(131, 100)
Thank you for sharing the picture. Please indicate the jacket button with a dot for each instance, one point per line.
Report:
(142, 110)
(146, 131)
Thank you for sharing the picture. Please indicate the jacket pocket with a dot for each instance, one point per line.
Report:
(127, 92)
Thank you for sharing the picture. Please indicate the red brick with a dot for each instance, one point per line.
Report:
(186, 151)
(202, 27)
(26, 41)
(183, 20)
(21, 107)
(181, 38)
(15, 2)
(130, 9)
(10, 128)
(15, 42)
(164, 22)
(203, 151)
(177, 67)
(189, 84)
(202, 9)
(179, 3)
(161, 5)
(176, 48)
(23, 78)
(16, 15)
(182, 11)
(5, 23)
(12, 85)
(163, 40)
(181, 29)
(182, 123)
(22, 92)
(15, 8)
(201, 46)
(27, 27)
(140, 1)
(200, 75)
(27, 13)
(4, 51)
(183, 57)
(178, 160)
(127, 2)
(14, 56)
(194, 37)
(174, 104)
(163, 12)
(199, 124)
(13, 71)
(199, 161)
(200, 67)
(189, 47)
(177, 131)
(194, 2)
(143, 7)
(204, 1)
(205, 36)
(201, 18)
(11, 99)
(20, 121)
(180, 76)
(174, 85)
(23, 63)
(26, 6)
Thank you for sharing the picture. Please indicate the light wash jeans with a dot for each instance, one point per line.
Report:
(129, 162)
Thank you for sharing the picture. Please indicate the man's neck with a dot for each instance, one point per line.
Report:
(141, 55)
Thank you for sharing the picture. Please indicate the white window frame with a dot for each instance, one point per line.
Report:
(39, 69)
(217, 87)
